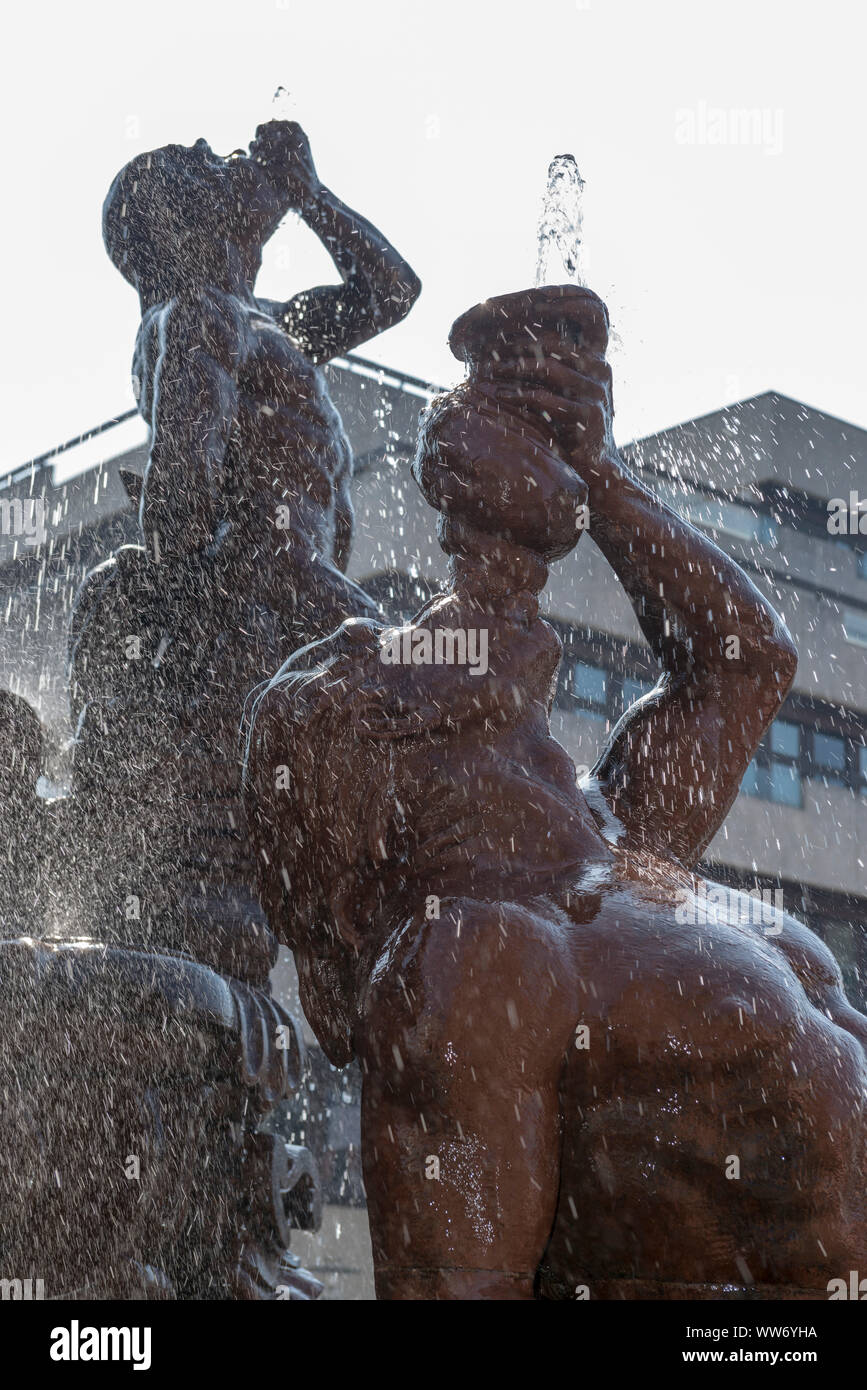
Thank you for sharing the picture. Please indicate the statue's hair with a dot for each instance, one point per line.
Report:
(301, 719)
(307, 844)
(148, 214)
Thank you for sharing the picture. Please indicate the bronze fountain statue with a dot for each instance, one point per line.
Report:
(557, 1073)
(246, 525)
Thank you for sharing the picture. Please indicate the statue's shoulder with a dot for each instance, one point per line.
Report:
(200, 316)
(123, 564)
(89, 590)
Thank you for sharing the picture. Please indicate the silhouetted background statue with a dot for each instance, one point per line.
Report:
(144, 1059)
(579, 1079)
(246, 520)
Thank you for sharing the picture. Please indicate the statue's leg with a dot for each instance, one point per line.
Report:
(463, 1042)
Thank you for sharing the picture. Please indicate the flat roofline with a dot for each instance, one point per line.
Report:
(769, 395)
(417, 386)
(21, 470)
(352, 362)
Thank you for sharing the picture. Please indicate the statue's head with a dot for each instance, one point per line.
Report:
(171, 212)
(375, 783)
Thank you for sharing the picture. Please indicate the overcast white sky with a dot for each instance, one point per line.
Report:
(729, 268)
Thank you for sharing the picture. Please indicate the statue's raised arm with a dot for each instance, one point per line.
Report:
(675, 761)
(378, 288)
(241, 421)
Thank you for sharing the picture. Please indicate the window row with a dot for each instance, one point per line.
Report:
(741, 522)
(596, 691)
(789, 754)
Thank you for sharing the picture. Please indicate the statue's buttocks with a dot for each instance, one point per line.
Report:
(716, 1083)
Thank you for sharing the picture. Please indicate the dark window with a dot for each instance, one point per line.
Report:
(790, 752)
(775, 772)
(730, 519)
(785, 739)
(828, 759)
(785, 784)
(855, 626)
(590, 685)
(583, 686)
(633, 689)
(773, 782)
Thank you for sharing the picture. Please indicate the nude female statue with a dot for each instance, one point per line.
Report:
(557, 1072)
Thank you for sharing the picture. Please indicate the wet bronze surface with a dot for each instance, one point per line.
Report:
(560, 1067)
